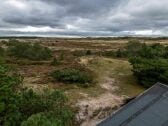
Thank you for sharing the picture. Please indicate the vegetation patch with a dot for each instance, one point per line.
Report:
(72, 75)
(22, 107)
(11, 42)
(30, 51)
(150, 64)
(150, 71)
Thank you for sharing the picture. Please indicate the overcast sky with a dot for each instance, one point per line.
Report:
(83, 17)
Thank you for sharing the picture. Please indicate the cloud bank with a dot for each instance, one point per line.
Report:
(84, 17)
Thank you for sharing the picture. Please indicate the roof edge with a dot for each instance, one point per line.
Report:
(132, 101)
(161, 85)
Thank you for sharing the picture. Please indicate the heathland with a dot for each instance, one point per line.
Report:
(75, 81)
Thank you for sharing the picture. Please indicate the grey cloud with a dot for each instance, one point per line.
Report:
(84, 17)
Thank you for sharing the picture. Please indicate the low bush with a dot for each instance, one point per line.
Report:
(150, 71)
(133, 47)
(51, 104)
(71, 75)
(30, 51)
(49, 119)
(21, 107)
(150, 64)
(11, 42)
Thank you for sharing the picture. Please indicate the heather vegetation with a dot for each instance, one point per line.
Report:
(11, 42)
(24, 107)
(150, 64)
(72, 75)
(29, 51)
(150, 71)
(35, 74)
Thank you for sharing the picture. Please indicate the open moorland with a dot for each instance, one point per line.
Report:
(94, 73)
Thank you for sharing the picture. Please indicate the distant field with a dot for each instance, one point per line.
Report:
(89, 43)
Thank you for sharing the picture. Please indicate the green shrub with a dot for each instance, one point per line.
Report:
(152, 51)
(9, 99)
(42, 119)
(30, 51)
(52, 104)
(19, 106)
(71, 75)
(146, 51)
(150, 71)
(38, 119)
(11, 42)
(150, 64)
(133, 47)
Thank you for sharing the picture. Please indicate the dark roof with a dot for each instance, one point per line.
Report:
(148, 109)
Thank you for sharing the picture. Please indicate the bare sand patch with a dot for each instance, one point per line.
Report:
(94, 110)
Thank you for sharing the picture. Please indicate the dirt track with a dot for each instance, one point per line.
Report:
(92, 110)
